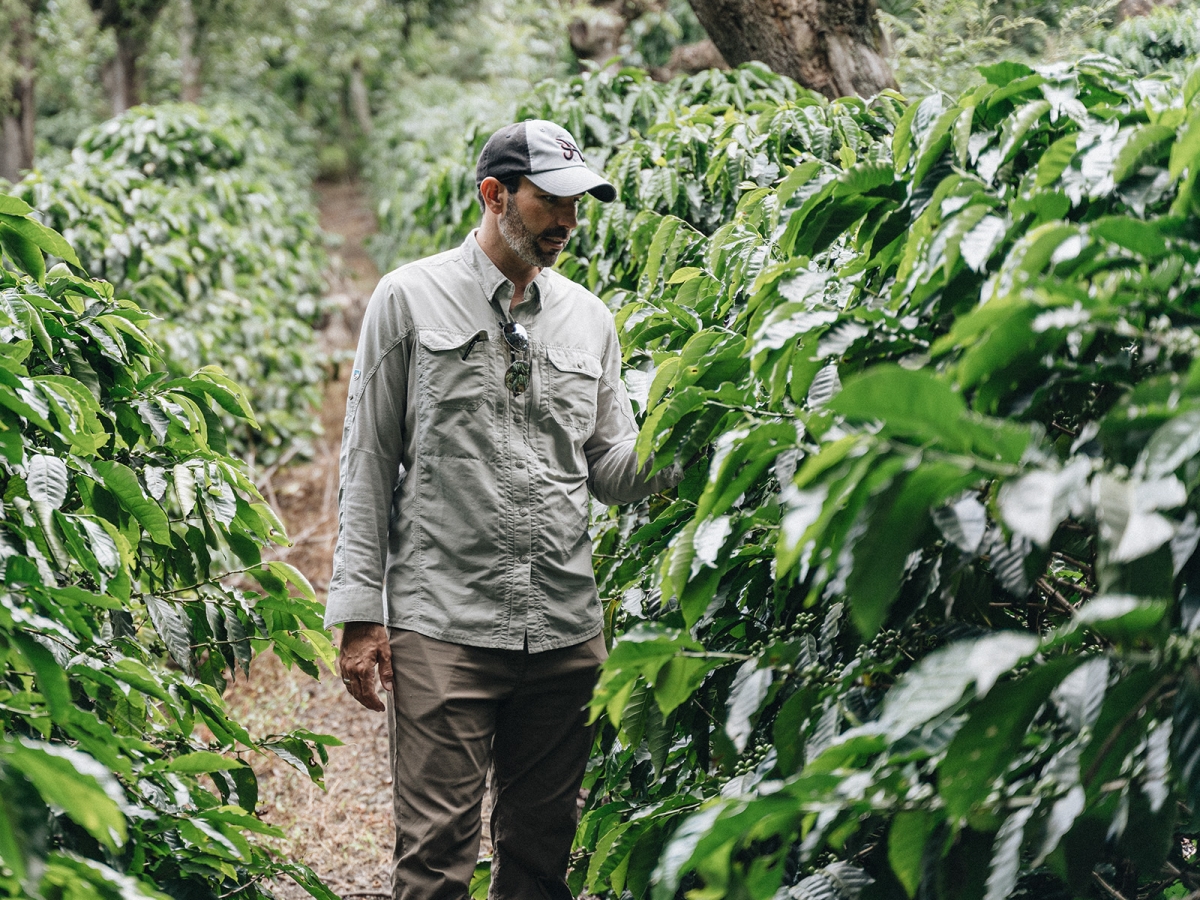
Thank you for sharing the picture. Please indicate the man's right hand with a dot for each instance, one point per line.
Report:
(365, 646)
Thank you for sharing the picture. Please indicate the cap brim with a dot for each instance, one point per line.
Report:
(574, 180)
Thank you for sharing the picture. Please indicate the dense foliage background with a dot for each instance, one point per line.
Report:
(124, 521)
(919, 618)
(205, 219)
(919, 622)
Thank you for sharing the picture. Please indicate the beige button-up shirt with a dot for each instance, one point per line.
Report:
(463, 509)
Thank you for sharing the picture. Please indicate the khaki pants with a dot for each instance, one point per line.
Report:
(454, 709)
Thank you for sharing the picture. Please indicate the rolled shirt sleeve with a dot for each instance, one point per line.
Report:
(613, 473)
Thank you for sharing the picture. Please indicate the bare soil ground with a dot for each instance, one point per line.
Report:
(344, 832)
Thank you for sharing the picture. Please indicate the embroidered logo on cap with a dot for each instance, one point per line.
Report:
(570, 151)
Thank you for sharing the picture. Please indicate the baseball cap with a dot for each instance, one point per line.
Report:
(544, 153)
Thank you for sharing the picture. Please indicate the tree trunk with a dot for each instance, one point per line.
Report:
(16, 126)
(132, 22)
(693, 58)
(834, 47)
(360, 104)
(1128, 9)
(597, 30)
(190, 83)
(126, 81)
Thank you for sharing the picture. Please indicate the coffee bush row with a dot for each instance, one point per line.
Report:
(205, 219)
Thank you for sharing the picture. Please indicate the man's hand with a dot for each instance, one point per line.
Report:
(365, 646)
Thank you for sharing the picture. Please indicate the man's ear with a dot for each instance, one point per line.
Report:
(494, 195)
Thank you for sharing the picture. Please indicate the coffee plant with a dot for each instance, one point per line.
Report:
(921, 619)
(134, 588)
(205, 219)
(1166, 39)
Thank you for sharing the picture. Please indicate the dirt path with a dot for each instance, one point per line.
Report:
(344, 832)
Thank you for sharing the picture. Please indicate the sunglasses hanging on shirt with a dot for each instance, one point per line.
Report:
(516, 379)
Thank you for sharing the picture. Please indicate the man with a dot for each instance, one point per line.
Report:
(486, 399)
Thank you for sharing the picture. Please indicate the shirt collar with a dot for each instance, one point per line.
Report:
(493, 282)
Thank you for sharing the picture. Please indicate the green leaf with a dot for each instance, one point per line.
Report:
(610, 850)
(658, 247)
(660, 732)
(46, 479)
(746, 696)
(14, 206)
(123, 484)
(1035, 504)
(902, 138)
(1004, 73)
(1172, 444)
(184, 477)
(293, 576)
(239, 640)
(900, 515)
(45, 238)
(938, 682)
(987, 742)
(322, 646)
(481, 880)
(915, 403)
(1006, 855)
(664, 378)
(1143, 146)
(174, 630)
(981, 241)
(1055, 160)
(1132, 234)
(1186, 149)
(687, 273)
(678, 679)
(909, 833)
(197, 762)
(643, 650)
(1186, 734)
(1017, 126)
(51, 679)
(24, 252)
(1120, 617)
(1191, 85)
(74, 782)
(12, 849)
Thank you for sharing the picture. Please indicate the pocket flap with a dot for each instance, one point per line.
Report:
(566, 359)
(441, 339)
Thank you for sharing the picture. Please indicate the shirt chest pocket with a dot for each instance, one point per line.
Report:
(571, 385)
(455, 369)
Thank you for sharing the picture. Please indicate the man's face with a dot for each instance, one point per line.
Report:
(536, 225)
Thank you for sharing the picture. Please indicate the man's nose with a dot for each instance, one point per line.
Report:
(568, 217)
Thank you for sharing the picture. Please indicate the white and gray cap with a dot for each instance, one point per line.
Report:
(544, 153)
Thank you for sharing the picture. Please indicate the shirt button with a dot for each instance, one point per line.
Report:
(523, 511)
(524, 558)
(520, 463)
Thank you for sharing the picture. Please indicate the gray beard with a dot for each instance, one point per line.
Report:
(522, 241)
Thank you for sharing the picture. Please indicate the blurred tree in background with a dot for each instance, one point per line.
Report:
(131, 22)
(775, 254)
(834, 48)
(344, 67)
(17, 76)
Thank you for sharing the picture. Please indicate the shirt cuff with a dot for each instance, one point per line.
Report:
(666, 479)
(354, 603)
